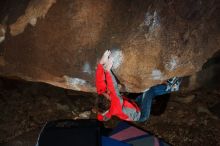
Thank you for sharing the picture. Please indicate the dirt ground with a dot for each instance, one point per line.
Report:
(181, 119)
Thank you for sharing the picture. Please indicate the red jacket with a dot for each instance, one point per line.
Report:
(121, 106)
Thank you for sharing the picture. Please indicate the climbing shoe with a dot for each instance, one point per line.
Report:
(173, 84)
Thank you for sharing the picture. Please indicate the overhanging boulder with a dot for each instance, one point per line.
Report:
(59, 42)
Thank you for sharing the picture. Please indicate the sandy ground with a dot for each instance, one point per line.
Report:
(181, 119)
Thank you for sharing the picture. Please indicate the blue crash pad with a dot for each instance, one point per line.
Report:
(106, 141)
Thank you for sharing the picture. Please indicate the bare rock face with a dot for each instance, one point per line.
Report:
(59, 42)
(36, 9)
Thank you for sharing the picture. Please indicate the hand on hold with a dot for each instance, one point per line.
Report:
(109, 64)
(104, 58)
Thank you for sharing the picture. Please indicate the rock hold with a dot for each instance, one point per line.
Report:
(85, 115)
(2, 33)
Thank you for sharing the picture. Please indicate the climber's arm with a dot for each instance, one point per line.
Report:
(100, 79)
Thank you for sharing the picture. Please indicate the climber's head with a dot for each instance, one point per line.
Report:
(104, 102)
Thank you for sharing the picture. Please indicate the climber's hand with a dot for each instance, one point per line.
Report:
(109, 64)
(104, 58)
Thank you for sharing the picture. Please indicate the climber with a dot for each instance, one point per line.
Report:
(112, 103)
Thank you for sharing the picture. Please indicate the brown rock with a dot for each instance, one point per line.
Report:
(152, 41)
(2, 33)
(36, 9)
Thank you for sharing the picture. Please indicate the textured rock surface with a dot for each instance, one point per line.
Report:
(2, 33)
(35, 9)
(151, 40)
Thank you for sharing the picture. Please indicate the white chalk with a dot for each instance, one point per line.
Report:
(75, 83)
(33, 21)
(152, 20)
(172, 64)
(87, 68)
(157, 74)
(117, 58)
